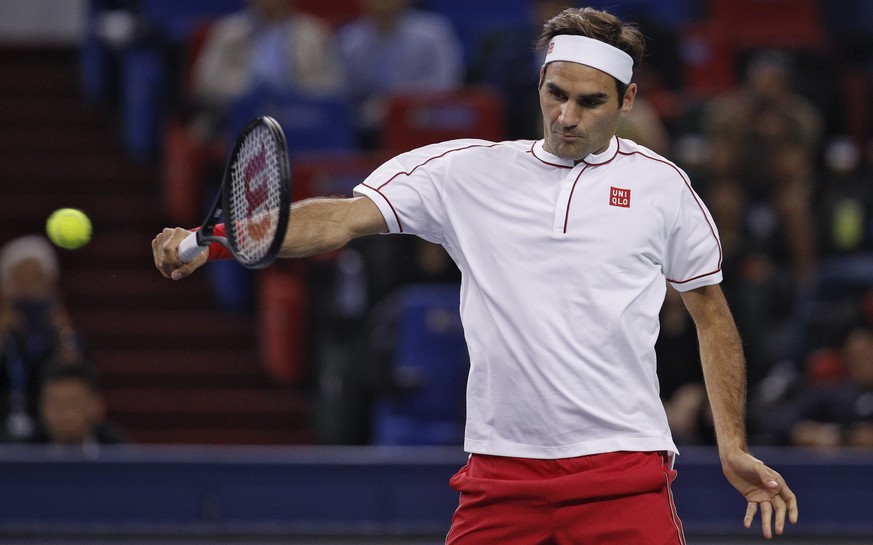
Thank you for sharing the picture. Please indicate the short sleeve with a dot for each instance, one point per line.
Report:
(694, 254)
(409, 189)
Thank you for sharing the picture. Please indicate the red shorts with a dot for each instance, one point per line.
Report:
(618, 498)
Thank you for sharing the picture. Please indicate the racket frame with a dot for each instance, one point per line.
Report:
(206, 234)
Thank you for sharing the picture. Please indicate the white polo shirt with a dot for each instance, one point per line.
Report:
(563, 271)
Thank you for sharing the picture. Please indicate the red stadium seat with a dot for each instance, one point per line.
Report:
(332, 173)
(282, 317)
(784, 24)
(709, 66)
(283, 304)
(183, 167)
(334, 12)
(418, 119)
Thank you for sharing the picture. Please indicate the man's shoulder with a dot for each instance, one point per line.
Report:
(477, 145)
(474, 148)
(628, 147)
(654, 163)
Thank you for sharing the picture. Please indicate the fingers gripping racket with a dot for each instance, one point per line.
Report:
(254, 201)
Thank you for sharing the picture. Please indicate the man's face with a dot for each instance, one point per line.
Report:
(69, 409)
(858, 356)
(27, 280)
(580, 109)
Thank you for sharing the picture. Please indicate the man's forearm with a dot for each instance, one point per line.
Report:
(322, 224)
(724, 371)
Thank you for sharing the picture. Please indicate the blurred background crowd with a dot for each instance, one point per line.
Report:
(765, 103)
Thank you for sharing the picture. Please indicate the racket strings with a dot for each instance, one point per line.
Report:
(253, 212)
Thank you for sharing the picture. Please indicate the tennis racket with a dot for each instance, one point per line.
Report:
(254, 201)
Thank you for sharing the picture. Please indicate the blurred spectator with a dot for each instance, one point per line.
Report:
(764, 141)
(845, 202)
(835, 408)
(394, 48)
(72, 412)
(680, 375)
(269, 45)
(644, 126)
(35, 330)
(268, 49)
(111, 27)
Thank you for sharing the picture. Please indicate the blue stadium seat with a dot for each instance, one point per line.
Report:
(430, 370)
(145, 75)
(175, 19)
(311, 123)
(473, 20)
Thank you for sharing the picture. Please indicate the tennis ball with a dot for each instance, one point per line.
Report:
(68, 228)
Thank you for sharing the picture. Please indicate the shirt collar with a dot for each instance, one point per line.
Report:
(607, 155)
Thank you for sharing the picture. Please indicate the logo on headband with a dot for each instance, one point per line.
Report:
(551, 48)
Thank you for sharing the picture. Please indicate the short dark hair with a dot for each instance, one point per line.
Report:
(60, 372)
(599, 25)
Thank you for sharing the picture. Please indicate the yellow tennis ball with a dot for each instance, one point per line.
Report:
(68, 228)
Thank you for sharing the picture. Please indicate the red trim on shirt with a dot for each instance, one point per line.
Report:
(532, 151)
(699, 205)
(614, 155)
(428, 160)
(570, 198)
(416, 167)
(393, 210)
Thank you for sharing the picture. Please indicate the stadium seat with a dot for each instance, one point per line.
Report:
(757, 24)
(283, 318)
(415, 120)
(145, 73)
(713, 48)
(429, 370)
(184, 164)
(175, 20)
(143, 80)
(310, 122)
(332, 173)
(335, 12)
(474, 20)
(283, 302)
(709, 66)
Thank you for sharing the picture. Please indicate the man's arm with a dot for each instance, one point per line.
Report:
(317, 225)
(320, 225)
(721, 354)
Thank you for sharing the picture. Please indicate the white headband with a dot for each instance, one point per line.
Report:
(593, 53)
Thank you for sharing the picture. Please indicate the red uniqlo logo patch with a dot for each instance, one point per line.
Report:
(551, 48)
(619, 197)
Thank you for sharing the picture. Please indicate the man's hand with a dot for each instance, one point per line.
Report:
(762, 486)
(165, 249)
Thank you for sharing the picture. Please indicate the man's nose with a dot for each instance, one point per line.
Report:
(570, 114)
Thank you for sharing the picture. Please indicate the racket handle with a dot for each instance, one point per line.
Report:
(189, 249)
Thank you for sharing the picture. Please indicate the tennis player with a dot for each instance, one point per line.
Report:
(564, 245)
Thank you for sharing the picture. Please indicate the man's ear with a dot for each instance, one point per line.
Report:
(628, 101)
